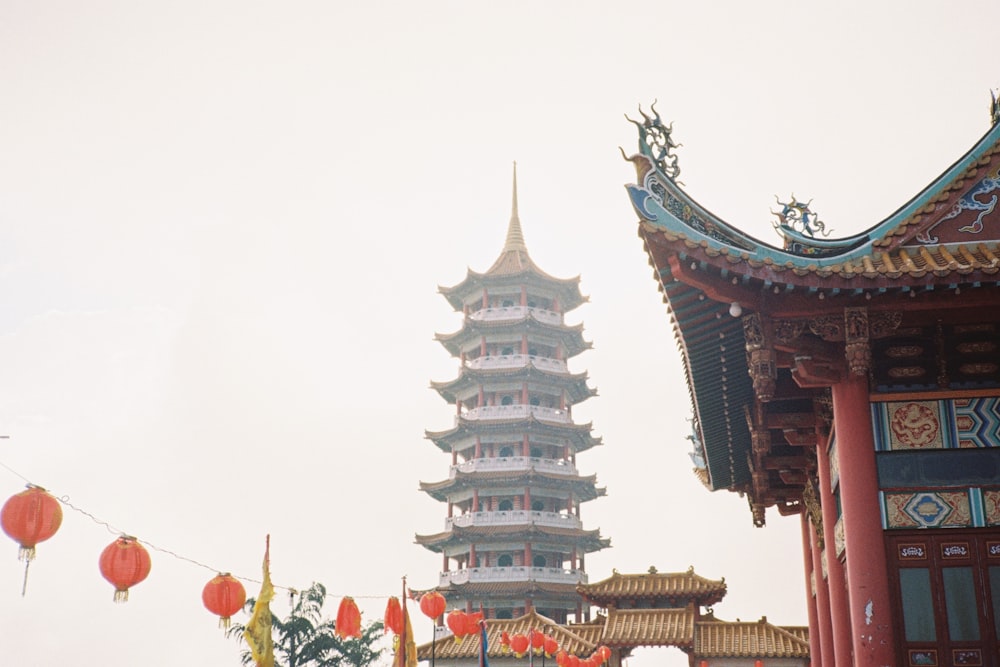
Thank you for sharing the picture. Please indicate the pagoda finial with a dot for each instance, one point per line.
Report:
(515, 238)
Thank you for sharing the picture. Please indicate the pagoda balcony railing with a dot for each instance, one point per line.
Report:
(517, 361)
(551, 575)
(517, 313)
(518, 410)
(508, 463)
(513, 517)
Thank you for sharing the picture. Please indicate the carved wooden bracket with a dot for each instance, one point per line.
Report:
(761, 357)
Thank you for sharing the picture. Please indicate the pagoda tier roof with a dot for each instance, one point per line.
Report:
(574, 383)
(585, 540)
(512, 590)
(903, 273)
(468, 647)
(514, 267)
(649, 588)
(721, 639)
(578, 435)
(583, 488)
(570, 335)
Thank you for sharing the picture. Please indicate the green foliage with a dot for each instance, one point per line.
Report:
(306, 639)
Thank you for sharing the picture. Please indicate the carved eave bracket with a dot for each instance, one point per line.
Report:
(761, 356)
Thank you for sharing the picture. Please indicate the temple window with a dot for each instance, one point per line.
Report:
(505, 506)
(538, 561)
(506, 560)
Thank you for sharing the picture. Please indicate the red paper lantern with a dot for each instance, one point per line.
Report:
(393, 616)
(432, 604)
(504, 641)
(562, 658)
(573, 661)
(537, 640)
(124, 563)
(519, 644)
(550, 645)
(348, 623)
(224, 595)
(30, 517)
(457, 623)
(472, 622)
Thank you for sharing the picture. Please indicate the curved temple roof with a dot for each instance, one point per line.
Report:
(941, 242)
(949, 211)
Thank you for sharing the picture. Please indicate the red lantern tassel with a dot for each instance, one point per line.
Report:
(121, 595)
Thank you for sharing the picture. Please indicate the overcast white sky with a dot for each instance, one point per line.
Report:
(223, 225)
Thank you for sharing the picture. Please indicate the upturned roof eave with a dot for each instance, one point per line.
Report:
(709, 231)
(568, 289)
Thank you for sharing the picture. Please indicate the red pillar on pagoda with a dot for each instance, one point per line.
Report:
(867, 573)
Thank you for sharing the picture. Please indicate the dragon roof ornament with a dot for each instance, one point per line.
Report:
(655, 140)
(798, 225)
(994, 108)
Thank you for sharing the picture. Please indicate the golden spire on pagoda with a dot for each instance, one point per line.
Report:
(515, 238)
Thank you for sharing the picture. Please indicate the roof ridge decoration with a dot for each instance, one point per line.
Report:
(658, 141)
(662, 205)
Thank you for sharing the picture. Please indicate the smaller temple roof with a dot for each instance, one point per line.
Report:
(649, 627)
(652, 586)
(721, 639)
(468, 646)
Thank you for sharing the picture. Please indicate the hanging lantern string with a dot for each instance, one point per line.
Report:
(11, 470)
(115, 531)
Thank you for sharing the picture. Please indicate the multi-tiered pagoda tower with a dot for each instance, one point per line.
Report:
(513, 539)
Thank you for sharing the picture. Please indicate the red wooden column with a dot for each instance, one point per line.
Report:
(840, 622)
(824, 627)
(811, 574)
(867, 572)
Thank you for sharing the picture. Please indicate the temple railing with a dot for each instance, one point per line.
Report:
(513, 517)
(552, 575)
(517, 313)
(516, 411)
(509, 463)
(517, 361)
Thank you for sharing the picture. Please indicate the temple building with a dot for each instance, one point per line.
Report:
(652, 609)
(852, 384)
(514, 539)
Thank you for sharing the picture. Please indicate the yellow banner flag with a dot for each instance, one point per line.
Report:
(406, 653)
(258, 629)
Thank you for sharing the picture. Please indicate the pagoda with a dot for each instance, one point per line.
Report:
(513, 540)
(854, 385)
